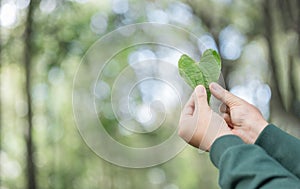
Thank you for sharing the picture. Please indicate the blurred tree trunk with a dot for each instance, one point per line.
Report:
(281, 109)
(0, 97)
(28, 44)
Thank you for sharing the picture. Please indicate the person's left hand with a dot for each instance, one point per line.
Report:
(199, 125)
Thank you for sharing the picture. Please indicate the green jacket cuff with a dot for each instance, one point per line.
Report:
(221, 145)
(269, 136)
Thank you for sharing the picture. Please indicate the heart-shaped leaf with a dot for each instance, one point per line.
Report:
(203, 73)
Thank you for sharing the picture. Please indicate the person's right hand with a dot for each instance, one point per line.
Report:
(245, 119)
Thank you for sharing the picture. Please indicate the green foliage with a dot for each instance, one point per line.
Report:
(63, 34)
(203, 73)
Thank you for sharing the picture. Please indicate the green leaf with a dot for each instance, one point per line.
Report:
(203, 73)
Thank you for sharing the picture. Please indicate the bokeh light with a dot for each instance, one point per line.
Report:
(60, 35)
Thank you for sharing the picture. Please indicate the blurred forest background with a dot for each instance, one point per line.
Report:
(43, 42)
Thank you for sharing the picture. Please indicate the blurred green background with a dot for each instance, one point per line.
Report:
(43, 42)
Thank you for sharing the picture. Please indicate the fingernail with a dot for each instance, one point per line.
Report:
(215, 87)
(200, 90)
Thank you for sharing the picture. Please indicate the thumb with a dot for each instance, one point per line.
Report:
(200, 96)
(225, 96)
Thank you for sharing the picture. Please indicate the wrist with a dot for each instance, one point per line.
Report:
(221, 134)
(257, 128)
(260, 127)
(229, 132)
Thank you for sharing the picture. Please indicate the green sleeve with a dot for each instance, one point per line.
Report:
(282, 147)
(248, 166)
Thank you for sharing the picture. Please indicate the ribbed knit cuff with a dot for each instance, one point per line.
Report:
(221, 145)
(268, 136)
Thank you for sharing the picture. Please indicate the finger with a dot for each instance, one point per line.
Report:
(200, 98)
(227, 118)
(189, 107)
(225, 96)
(224, 108)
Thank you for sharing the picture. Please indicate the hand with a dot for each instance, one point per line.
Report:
(245, 119)
(199, 125)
